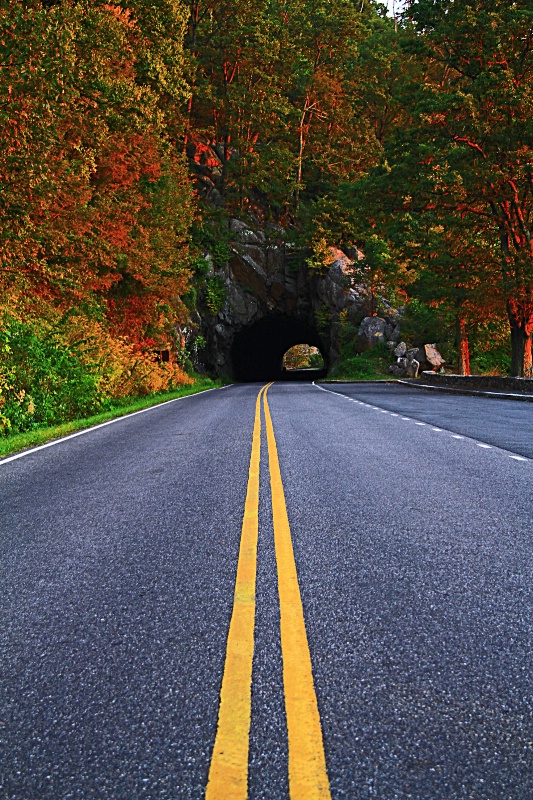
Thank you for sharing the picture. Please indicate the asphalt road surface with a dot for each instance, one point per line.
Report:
(412, 530)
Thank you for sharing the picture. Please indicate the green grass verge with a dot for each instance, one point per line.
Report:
(21, 441)
(371, 365)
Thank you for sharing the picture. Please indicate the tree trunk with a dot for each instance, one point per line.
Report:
(463, 350)
(528, 357)
(225, 163)
(520, 340)
(188, 123)
(518, 350)
(299, 161)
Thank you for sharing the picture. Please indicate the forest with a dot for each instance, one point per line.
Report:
(409, 138)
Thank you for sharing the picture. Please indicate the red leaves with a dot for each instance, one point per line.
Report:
(94, 204)
(125, 161)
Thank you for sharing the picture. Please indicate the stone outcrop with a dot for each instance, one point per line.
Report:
(265, 278)
(272, 296)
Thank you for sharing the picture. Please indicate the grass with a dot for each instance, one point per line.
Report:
(21, 441)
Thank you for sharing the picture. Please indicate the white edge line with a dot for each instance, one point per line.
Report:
(439, 430)
(408, 419)
(326, 390)
(102, 425)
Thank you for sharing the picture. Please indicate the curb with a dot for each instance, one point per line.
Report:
(385, 380)
(525, 398)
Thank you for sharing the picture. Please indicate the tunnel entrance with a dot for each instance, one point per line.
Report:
(258, 350)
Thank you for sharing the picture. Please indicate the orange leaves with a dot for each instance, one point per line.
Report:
(125, 161)
(123, 15)
(94, 204)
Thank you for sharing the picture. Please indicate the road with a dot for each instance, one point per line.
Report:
(413, 549)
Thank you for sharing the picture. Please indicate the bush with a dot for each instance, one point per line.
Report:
(42, 382)
(371, 364)
(215, 294)
(73, 370)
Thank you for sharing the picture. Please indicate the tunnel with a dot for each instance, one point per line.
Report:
(258, 350)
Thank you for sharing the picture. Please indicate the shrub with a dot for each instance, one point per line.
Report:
(42, 381)
(72, 370)
(215, 293)
(352, 365)
(220, 252)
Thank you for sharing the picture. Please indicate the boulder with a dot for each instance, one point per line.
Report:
(433, 357)
(394, 334)
(412, 369)
(371, 331)
(401, 350)
(416, 353)
(427, 356)
(397, 371)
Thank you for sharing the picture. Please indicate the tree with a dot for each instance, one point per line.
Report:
(273, 98)
(454, 274)
(474, 136)
(96, 203)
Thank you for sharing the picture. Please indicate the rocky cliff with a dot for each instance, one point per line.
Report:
(273, 300)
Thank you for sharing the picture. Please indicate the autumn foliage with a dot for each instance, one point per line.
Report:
(411, 142)
(95, 204)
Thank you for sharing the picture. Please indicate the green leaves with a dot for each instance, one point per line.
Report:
(42, 382)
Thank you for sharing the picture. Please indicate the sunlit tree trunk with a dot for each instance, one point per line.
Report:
(463, 349)
(299, 160)
(528, 357)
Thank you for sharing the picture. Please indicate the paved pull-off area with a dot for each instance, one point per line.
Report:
(291, 591)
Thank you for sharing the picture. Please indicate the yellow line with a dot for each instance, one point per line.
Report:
(308, 778)
(228, 773)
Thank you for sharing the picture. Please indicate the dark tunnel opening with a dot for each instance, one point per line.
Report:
(258, 350)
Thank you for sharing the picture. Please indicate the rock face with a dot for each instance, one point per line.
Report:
(409, 363)
(274, 301)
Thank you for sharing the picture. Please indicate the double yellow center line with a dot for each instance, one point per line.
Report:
(228, 774)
